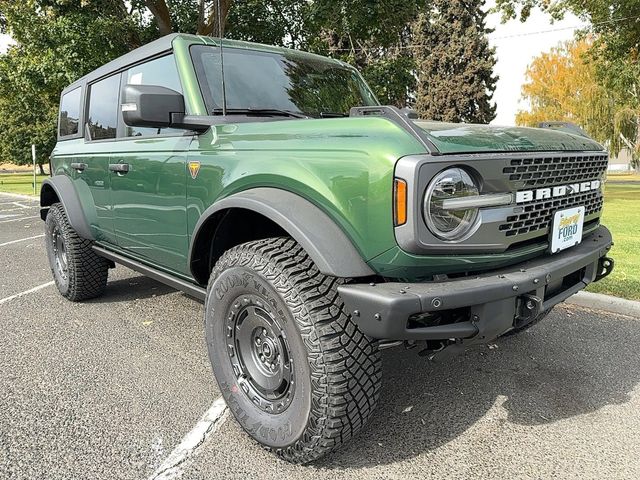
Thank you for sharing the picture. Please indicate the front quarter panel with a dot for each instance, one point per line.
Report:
(343, 166)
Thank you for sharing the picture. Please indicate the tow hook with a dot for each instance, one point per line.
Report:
(605, 266)
(528, 308)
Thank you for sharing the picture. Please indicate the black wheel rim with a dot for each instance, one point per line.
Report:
(59, 253)
(259, 354)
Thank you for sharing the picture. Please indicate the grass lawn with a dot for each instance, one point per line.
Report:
(623, 177)
(19, 183)
(622, 217)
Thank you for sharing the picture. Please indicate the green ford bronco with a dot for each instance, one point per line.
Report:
(317, 226)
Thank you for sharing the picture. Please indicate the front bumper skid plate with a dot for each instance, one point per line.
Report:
(497, 301)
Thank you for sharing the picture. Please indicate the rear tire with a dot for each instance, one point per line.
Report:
(295, 370)
(79, 272)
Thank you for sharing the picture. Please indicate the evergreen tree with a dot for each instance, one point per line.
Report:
(454, 62)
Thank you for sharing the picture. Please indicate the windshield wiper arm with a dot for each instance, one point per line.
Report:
(261, 111)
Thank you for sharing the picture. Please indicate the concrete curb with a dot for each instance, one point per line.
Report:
(598, 301)
(19, 196)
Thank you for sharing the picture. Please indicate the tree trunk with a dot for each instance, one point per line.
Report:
(160, 12)
(42, 172)
(209, 26)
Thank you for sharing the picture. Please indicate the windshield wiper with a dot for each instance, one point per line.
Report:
(260, 111)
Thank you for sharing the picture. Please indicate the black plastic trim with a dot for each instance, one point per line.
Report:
(327, 245)
(66, 193)
(162, 277)
(382, 310)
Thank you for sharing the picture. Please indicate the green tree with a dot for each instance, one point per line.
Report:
(454, 63)
(56, 43)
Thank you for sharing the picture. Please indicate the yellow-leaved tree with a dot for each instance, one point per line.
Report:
(567, 84)
(562, 85)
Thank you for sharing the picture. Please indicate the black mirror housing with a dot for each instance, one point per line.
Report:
(151, 106)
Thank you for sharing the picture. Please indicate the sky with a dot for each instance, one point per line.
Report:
(4, 42)
(517, 44)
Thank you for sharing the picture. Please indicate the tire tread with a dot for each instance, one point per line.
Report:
(345, 364)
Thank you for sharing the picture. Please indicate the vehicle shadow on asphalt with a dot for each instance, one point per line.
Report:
(574, 362)
(132, 288)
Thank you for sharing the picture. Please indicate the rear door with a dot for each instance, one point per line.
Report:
(148, 179)
(89, 162)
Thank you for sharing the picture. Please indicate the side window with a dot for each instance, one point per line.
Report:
(161, 72)
(103, 108)
(69, 113)
(206, 62)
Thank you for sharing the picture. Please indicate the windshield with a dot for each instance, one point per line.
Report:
(289, 82)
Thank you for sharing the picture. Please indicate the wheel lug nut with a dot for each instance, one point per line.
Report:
(264, 331)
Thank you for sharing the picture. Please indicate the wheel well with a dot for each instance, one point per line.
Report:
(226, 229)
(48, 197)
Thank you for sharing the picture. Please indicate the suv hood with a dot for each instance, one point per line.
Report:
(471, 138)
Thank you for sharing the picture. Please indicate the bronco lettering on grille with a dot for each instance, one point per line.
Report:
(559, 191)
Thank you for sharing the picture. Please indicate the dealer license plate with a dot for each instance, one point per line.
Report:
(566, 228)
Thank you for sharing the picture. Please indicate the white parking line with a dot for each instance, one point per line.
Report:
(171, 468)
(21, 240)
(13, 203)
(18, 219)
(5, 210)
(15, 206)
(26, 292)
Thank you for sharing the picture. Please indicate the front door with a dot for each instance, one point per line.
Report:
(148, 190)
(148, 180)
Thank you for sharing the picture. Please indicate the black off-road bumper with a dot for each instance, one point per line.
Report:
(481, 307)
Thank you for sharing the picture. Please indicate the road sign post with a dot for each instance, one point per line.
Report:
(33, 155)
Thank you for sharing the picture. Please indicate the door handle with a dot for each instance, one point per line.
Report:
(120, 168)
(78, 166)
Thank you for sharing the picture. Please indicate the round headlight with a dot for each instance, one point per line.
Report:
(450, 224)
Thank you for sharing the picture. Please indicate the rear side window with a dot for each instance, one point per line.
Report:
(103, 108)
(161, 72)
(69, 113)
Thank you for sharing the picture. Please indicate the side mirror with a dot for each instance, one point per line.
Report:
(151, 106)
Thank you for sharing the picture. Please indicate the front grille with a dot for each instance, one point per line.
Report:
(536, 215)
(556, 170)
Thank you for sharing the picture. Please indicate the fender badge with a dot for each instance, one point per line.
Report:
(194, 168)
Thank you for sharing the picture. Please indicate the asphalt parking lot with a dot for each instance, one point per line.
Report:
(107, 389)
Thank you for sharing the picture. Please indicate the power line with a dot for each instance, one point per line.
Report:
(525, 34)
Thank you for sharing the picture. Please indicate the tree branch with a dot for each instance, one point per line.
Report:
(211, 27)
(160, 12)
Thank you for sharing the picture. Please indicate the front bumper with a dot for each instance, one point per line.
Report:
(480, 307)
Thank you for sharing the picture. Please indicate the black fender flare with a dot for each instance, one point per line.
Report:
(323, 240)
(63, 188)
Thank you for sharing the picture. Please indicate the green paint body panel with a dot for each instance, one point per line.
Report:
(344, 166)
(470, 138)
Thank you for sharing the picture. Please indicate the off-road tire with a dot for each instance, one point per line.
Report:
(337, 369)
(86, 272)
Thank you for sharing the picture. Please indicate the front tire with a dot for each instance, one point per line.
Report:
(79, 272)
(295, 370)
